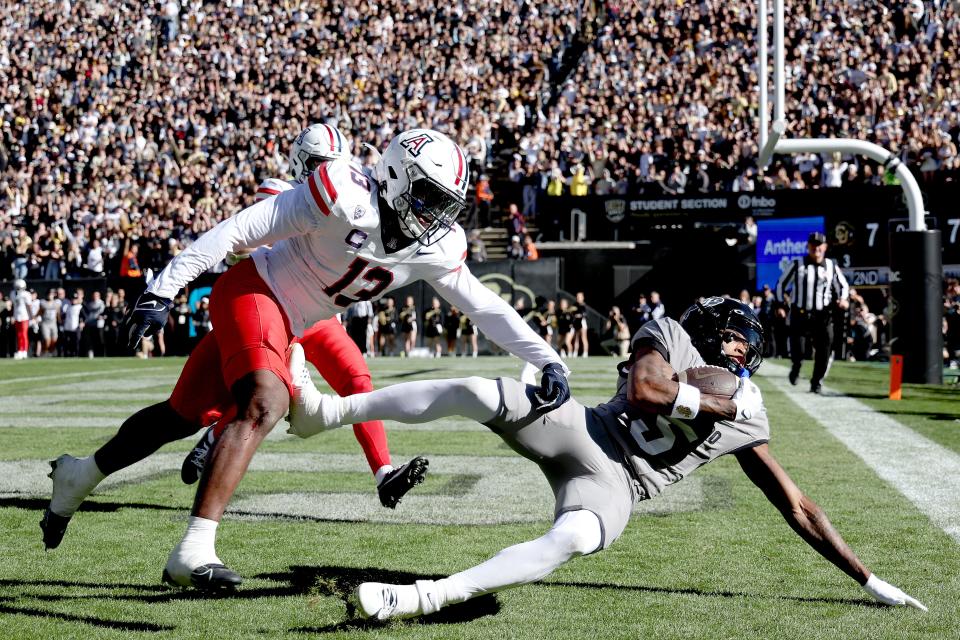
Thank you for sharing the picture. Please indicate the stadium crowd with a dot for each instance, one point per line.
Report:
(129, 129)
(134, 128)
(137, 127)
(664, 98)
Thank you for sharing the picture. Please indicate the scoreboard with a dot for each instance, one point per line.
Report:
(860, 242)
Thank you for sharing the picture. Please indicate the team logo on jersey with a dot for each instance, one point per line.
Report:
(358, 212)
(415, 143)
(356, 238)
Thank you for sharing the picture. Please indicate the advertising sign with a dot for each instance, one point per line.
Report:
(779, 241)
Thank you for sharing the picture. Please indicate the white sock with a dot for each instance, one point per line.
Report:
(90, 471)
(574, 533)
(382, 472)
(75, 479)
(424, 401)
(198, 544)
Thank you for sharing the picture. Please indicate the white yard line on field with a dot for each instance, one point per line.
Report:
(922, 470)
(495, 489)
(79, 374)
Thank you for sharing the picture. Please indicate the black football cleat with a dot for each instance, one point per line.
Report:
(399, 481)
(192, 467)
(793, 377)
(53, 527)
(208, 577)
(816, 388)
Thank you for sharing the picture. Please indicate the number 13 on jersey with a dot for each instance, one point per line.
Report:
(379, 277)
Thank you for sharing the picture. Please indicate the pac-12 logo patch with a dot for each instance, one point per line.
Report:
(415, 143)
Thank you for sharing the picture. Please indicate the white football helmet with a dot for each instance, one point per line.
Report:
(424, 175)
(315, 144)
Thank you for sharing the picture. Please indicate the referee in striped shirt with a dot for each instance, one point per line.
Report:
(817, 287)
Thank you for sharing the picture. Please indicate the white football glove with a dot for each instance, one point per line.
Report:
(310, 411)
(889, 594)
(748, 400)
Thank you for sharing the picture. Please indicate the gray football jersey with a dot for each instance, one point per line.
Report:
(49, 310)
(659, 450)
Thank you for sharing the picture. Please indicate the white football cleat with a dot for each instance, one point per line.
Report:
(310, 411)
(73, 480)
(395, 601)
(185, 569)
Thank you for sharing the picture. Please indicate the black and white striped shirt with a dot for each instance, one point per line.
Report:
(813, 287)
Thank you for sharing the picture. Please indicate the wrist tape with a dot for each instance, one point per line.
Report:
(687, 404)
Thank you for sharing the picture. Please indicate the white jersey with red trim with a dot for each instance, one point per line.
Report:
(326, 251)
(272, 187)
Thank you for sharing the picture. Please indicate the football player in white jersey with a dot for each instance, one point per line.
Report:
(338, 237)
(598, 460)
(326, 345)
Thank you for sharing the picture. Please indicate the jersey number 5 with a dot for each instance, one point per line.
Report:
(379, 277)
(657, 439)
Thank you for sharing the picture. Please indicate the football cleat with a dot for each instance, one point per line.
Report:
(192, 467)
(793, 376)
(393, 601)
(310, 411)
(53, 527)
(398, 482)
(206, 577)
(379, 601)
(71, 486)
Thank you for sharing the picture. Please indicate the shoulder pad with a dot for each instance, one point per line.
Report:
(339, 185)
(271, 187)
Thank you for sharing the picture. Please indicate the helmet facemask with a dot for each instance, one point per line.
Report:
(709, 331)
(310, 163)
(747, 330)
(427, 211)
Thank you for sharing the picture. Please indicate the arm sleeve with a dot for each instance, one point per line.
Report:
(268, 221)
(496, 318)
(840, 287)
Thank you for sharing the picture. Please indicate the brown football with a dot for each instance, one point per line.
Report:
(711, 381)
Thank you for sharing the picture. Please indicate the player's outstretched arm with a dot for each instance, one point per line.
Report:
(268, 221)
(811, 523)
(652, 385)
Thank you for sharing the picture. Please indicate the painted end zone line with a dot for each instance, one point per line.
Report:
(923, 471)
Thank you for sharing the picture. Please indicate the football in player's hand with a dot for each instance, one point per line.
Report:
(711, 381)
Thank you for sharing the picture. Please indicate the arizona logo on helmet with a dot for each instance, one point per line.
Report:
(415, 143)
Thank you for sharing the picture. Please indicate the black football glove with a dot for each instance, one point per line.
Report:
(554, 389)
(147, 317)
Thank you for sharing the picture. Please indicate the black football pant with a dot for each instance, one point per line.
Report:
(811, 329)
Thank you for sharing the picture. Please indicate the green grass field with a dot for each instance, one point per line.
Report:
(709, 559)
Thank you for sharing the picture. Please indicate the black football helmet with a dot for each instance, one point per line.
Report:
(713, 321)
